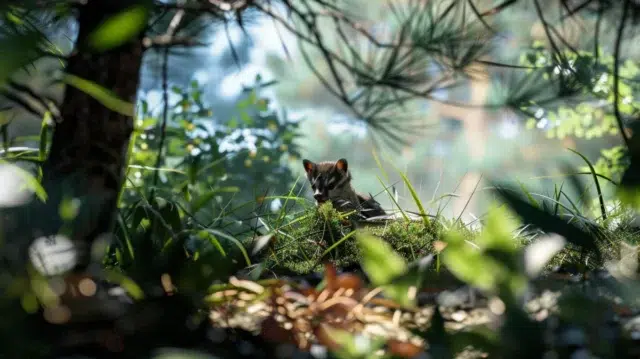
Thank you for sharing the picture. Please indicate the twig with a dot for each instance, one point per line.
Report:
(571, 12)
(26, 105)
(596, 37)
(51, 107)
(173, 25)
(162, 41)
(616, 77)
(498, 8)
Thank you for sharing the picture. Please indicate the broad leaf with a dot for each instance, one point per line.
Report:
(120, 28)
(469, 264)
(379, 260)
(386, 268)
(550, 223)
(101, 94)
(17, 51)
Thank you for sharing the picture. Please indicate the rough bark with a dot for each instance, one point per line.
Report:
(89, 146)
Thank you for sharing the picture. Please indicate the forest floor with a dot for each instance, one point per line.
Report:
(311, 283)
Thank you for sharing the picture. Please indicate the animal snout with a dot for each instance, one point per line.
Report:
(319, 197)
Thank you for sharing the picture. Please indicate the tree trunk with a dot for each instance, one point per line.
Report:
(475, 126)
(89, 146)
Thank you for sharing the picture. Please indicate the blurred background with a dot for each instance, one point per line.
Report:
(450, 148)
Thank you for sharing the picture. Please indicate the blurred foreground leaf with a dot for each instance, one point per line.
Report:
(17, 51)
(101, 94)
(493, 265)
(382, 265)
(548, 222)
(120, 28)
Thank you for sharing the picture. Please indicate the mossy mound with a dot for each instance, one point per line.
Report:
(322, 234)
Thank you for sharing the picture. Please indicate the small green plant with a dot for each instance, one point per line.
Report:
(317, 234)
(593, 118)
(219, 170)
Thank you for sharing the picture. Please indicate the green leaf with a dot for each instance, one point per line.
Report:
(235, 241)
(18, 50)
(44, 137)
(337, 243)
(211, 238)
(186, 193)
(253, 96)
(417, 274)
(498, 230)
(145, 107)
(69, 209)
(120, 28)
(233, 123)
(480, 338)
(131, 287)
(416, 198)
(469, 264)
(124, 240)
(548, 222)
(629, 196)
(348, 346)
(170, 214)
(101, 94)
(262, 104)
(202, 200)
(243, 104)
(11, 17)
(246, 118)
(379, 260)
(148, 122)
(594, 175)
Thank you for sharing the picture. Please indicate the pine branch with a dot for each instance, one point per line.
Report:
(454, 36)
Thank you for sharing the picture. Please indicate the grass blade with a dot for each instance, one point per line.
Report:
(603, 209)
(404, 215)
(416, 199)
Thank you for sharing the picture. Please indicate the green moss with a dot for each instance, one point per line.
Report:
(412, 240)
(324, 234)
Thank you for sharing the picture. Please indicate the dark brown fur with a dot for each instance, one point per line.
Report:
(331, 180)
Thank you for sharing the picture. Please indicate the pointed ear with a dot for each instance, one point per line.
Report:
(342, 165)
(308, 165)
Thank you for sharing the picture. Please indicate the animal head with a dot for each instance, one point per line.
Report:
(328, 179)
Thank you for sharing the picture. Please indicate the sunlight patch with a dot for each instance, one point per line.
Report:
(509, 128)
(154, 100)
(540, 252)
(12, 186)
(232, 85)
(201, 76)
(339, 127)
(53, 255)
(220, 40)
(270, 41)
(276, 204)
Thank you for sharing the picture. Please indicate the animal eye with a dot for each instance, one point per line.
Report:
(331, 183)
